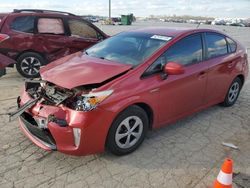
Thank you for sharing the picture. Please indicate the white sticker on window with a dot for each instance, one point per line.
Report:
(160, 37)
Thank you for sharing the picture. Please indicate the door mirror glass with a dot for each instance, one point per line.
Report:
(173, 68)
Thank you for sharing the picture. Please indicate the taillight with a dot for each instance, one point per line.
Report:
(3, 37)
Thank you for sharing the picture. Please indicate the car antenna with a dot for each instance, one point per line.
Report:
(198, 25)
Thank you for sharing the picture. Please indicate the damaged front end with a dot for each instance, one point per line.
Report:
(80, 99)
(44, 109)
(45, 93)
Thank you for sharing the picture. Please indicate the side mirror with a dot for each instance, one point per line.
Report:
(172, 68)
(100, 37)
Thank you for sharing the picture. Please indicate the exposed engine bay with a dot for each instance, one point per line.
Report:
(82, 98)
(51, 94)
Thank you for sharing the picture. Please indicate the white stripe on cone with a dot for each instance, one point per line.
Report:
(224, 178)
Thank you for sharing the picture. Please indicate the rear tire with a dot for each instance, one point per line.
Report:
(128, 131)
(29, 63)
(233, 93)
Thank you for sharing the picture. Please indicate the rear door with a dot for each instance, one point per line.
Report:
(81, 35)
(221, 62)
(51, 37)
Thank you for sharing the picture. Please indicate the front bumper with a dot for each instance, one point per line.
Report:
(40, 137)
(93, 125)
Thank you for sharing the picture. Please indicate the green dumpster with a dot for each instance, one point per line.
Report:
(126, 20)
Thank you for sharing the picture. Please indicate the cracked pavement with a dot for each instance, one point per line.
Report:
(185, 154)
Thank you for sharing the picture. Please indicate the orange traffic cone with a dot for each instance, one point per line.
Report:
(224, 179)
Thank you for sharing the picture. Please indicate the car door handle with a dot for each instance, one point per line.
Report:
(230, 65)
(154, 90)
(202, 74)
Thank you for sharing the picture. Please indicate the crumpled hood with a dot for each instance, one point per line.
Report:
(78, 70)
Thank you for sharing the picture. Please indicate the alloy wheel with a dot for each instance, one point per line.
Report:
(233, 92)
(129, 132)
(30, 66)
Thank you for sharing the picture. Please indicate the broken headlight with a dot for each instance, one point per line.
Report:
(88, 102)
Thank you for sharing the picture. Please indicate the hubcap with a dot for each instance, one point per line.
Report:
(233, 92)
(30, 65)
(129, 132)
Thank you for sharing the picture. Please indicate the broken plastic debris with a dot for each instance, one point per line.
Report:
(5, 146)
(230, 145)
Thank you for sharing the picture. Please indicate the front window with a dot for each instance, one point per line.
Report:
(80, 29)
(128, 48)
(187, 51)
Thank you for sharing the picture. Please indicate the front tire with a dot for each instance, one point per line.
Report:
(128, 131)
(233, 92)
(28, 64)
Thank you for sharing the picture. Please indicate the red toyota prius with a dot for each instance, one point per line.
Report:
(110, 95)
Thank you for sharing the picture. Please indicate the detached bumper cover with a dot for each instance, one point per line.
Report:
(40, 137)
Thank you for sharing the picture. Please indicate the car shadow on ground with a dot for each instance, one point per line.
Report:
(172, 145)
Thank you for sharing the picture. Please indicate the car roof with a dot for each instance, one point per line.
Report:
(173, 32)
(3, 14)
(38, 12)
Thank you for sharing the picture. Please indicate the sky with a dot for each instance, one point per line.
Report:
(214, 8)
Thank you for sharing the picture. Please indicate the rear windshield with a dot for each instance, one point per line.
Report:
(128, 48)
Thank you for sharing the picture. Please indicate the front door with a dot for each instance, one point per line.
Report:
(81, 35)
(184, 93)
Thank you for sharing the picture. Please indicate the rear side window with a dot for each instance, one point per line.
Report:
(80, 29)
(231, 45)
(186, 51)
(23, 24)
(50, 26)
(216, 45)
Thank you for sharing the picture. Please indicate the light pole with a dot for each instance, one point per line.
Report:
(110, 10)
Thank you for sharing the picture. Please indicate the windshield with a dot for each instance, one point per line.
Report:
(128, 48)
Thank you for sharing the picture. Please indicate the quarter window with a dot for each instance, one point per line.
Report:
(23, 24)
(80, 29)
(50, 26)
(231, 45)
(216, 45)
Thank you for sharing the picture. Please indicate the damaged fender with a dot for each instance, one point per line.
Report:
(5, 61)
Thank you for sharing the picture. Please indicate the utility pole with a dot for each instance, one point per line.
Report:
(109, 9)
